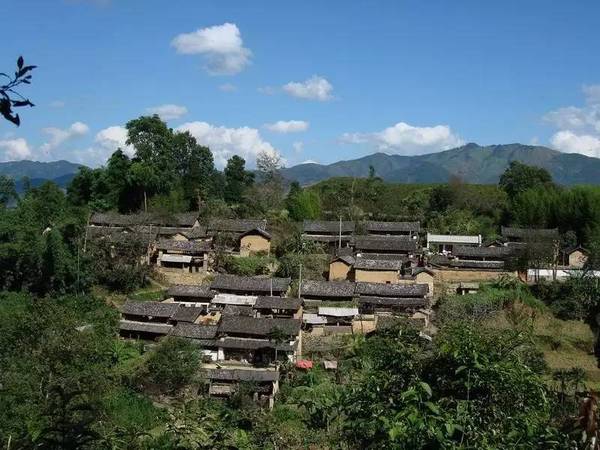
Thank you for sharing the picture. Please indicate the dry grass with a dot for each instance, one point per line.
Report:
(565, 344)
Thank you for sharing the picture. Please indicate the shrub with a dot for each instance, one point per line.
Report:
(249, 265)
(172, 364)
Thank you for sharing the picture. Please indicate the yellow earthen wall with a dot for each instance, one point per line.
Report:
(253, 244)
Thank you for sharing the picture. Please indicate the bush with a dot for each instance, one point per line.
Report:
(172, 364)
(563, 299)
(248, 266)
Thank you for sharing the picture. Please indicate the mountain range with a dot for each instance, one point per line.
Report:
(61, 172)
(472, 163)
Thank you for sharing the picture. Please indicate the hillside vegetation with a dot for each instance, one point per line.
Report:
(472, 163)
(507, 367)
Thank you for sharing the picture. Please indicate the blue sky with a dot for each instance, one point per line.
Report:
(312, 80)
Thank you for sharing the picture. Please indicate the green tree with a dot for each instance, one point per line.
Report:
(237, 180)
(69, 421)
(195, 167)
(172, 364)
(7, 190)
(302, 204)
(519, 177)
(84, 188)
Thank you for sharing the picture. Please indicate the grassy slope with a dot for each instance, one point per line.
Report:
(565, 344)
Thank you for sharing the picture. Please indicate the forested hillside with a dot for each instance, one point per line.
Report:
(507, 367)
(472, 163)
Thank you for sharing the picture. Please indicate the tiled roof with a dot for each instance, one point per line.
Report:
(257, 326)
(183, 219)
(326, 238)
(115, 219)
(149, 309)
(393, 227)
(145, 327)
(264, 302)
(187, 313)
(331, 289)
(327, 227)
(259, 231)
(235, 225)
(385, 243)
(391, 290)
(482, 252)
(398, 302)
(468, 264)
(194, 331)
(250, 284)
(569, 250)
(183, 246)
(378, 264)
(162, 231)
(97, 231)
(120, 234)
(237, 310)
(347, 259)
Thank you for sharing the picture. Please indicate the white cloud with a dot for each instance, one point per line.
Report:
(168, 112)
(225, 142)
(106, 142)
(58, 136)
(111, 138)
(569, 142)
(298, 147)
(221, 45)
(310, 161)
(578, 128)
(574, 118)
(228, 87)
(289, 126)
(15, 149)
(406, 139)
(314, 88)
(57, 104)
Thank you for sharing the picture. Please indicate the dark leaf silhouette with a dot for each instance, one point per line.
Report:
(10, 98)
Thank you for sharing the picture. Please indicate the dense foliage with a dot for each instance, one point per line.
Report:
(67, 382)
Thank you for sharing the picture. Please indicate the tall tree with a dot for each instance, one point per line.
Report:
(267, 194)
(519, 177)
(118, 182)
(7, 190)
(237, 179)
(153, 143)
(195, 166)
(302, 204)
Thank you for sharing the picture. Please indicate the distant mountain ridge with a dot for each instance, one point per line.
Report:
(473, 163)
(61, 172)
